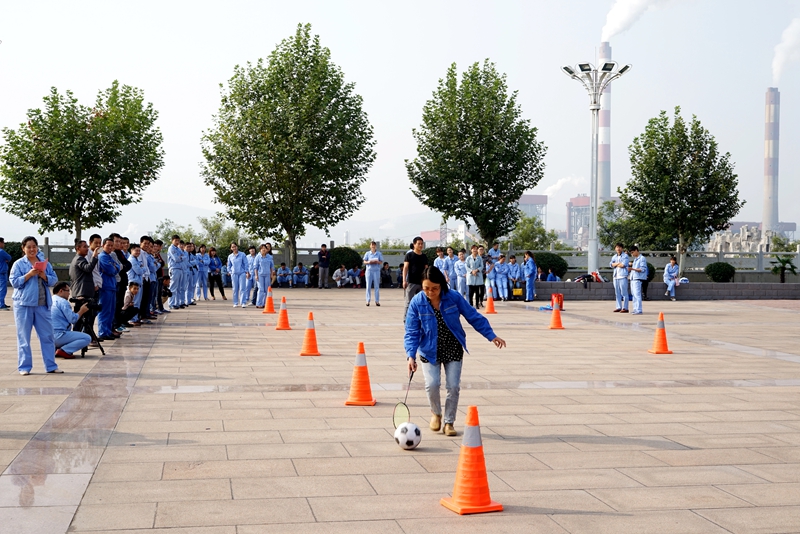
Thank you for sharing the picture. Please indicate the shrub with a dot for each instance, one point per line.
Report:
(546, 260)
(720, 272)
(14, 249)
(345, 256)
(651, 271)
(431, 253)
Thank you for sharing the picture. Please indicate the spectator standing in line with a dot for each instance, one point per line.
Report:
(494, 252)
(482, 288)
(529, 270)
(373, 259)
(81, 275)
(203, 261)
(460, 270)
(638, 270)
(121, 278)
(475, 268)
(109, 269)
(66, 341)
(501, 278)
(264, 268)
(450, 266)
(158, 305)
(251, 280)
(414, 265)
(175, 262)
(215, 273)
(324, 258)
(671, 271)
(440, 262)
(620, 262)
(136, 274)
(5, 258)
(32, 303)
(237, 268)
(192, 271)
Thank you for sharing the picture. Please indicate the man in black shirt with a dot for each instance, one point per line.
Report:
(324, 257)
(413, 266)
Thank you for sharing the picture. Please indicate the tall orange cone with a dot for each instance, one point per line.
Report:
(471, 489)
(660, 341)
(310, 340)
(283, 317)
(360, 390)
(555, 319)
(490, 303)
(269, 307)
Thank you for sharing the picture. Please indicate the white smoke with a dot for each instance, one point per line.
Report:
(576, 182)
(623, 14)
(788, 50)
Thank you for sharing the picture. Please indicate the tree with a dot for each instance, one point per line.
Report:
(616, 225)
(70, 167)
(168, 228)
(681, 184)
(783, 264)
(291, 145)
(530, 234)
(476, 156)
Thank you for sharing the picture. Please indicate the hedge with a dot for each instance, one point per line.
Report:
(720, 272)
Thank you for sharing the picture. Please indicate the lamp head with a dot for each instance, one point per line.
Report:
(625, 69)
(568, 70)
(608, 66)
(585, 67)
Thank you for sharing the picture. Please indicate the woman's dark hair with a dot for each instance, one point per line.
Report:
(212, 249)
(434, 275)
(673, 258)
(29, 238)
(633, 248)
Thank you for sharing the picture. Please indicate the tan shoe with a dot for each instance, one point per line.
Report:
(436, 422)
(449, 430)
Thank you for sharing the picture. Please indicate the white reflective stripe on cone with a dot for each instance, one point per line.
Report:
(472, 436)
(660, 324)
(556, 307)
(310, 324)
(361, 360)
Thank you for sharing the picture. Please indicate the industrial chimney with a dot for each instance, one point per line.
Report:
(604, 148)
(772, 125)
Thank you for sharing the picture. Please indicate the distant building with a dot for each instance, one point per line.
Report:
(578, 221)
(534, 206)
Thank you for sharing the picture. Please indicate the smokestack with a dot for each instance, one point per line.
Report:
(604, 148)
(772, 124)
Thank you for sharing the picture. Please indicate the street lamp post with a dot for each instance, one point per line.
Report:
(594, 80)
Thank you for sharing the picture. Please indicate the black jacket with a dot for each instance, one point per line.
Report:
(80, 276)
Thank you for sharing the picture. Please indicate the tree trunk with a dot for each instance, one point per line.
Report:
(682, 253)
(292, 245)
(783, 275)
(78, 229)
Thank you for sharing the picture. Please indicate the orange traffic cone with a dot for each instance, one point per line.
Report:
(310, 341)
(471, 490)
(490, 303)
(269, 307)
(283, 317)
(555, 319)
(360, 390)
(660, 341)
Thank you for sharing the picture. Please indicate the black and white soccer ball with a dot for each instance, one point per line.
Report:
(408, 436)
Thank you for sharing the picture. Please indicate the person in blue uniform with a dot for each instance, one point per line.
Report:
(551, 276)
(373, 260)
(67, 341)
(501, 278)
(263, 270)
(251, 280)
(284, 275)
(237, 268)
(203, 261)
(514, 274)
(175, 262)
(109, 269)
(529, 270)
(299, 275)
(31, 282)
(638, 270)
(620, 262)
(5, 259)
(450, 266)
(460, 269)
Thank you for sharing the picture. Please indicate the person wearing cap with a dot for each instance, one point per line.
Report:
(5, 259)
(434, 333)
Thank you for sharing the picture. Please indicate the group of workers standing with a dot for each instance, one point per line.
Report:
(633, 268)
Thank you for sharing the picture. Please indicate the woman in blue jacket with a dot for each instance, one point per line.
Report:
(32, 303)
(433, 330)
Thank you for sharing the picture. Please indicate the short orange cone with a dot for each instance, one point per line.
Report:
(310, 341)
(660, 341)
(555, 319)
(490, 303)
(283, 317)
(360, 389)
(269, 307)
(471, 490)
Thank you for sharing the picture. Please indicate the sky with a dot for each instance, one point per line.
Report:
(711, 57)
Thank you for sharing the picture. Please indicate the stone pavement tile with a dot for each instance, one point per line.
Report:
(566, 479)
(192, 530)
(114, 472)
(645, 429)
(308, 413)
(331, 527)
(200, 415)
(784, 454)
(437, 446)
(677, 417)
(792, 438)
(541, 431)
(712, 457)
(224, 438)
(151, 415)
(228, 469)
(702, 407)
(38, 519)
(374, 507)
(42, 489)
(169, 426)
(755, 520)
(7, 455)
(622, 399)
(156, 491)
(114, 516)
(596, 460)
(345, 423)
(766, 494)
(672, 498)
(357, 466)
(660, 522)
(283, 450)
(622, 443)
(164, 454)
(499, 445)
(730, 441)
(739, 427)
(66, 461)
(329, 436)
(691, 476)
(513, 409)
(400, 484)
(502, 523)
(313, 486)
(233, 512)
(755, 415)
(565, 419)
(775, 472)
(145, 439)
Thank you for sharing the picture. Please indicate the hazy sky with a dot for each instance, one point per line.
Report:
(713, 58)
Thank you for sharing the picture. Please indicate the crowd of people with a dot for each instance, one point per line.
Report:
(630, 278)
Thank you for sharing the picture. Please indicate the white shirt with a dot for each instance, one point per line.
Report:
(96, 276)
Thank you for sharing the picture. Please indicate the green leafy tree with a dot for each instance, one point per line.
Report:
(615, 225)
(476, 155)
(168, 228)
(681, 183)
(213, 228)
(291, 145)
(783, 244)
(781, 264)
(530, 234)
(70, 167)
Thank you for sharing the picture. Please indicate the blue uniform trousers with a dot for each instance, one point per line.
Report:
(71, 341)
(374, 280)
(502, 287)
(300, 279)
(201, 287)
(3, 289)
(636, 289)
(263, 284)
(38, 317)
(530, 287)
(462, 287)
(175, 285)
(671, 287)
(105, 319)
(239, 285)
(621, 292)
(249, 284)
(151, 306)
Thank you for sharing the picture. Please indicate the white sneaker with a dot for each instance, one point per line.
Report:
(235, 305)
(244, 305)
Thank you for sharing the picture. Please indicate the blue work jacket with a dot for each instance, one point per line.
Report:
(513, 271)
(109, 269)
(422, 329)
(5, 257)
(175, 257)
(237, 264)
(264, 265)
(26, 292)
(215, 265)
(203, 261)
(62, 315)
(530, 268)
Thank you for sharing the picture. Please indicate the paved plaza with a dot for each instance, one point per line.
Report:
(209, 422)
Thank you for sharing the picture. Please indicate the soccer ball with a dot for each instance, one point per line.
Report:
(408, 436)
